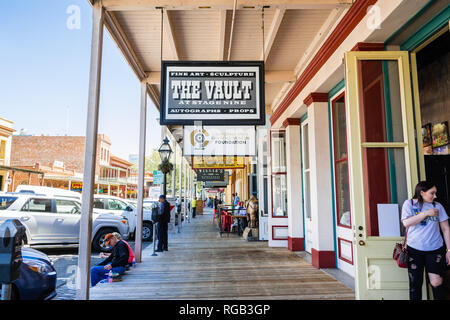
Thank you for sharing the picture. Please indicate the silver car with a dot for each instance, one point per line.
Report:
(55, 221)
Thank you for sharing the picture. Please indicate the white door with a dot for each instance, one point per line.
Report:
(382, 166)
(263, 185)
(38, 215)
(306, 180)
(67, 220)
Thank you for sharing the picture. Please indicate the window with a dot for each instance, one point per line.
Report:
(278, 166)
(116, 205)
(99, 204)
(67, 206)
(2, 150)
(279, 195)
(6, 202)
(341, 162)
(38, 205)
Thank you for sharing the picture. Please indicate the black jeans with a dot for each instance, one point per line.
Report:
(433, 262)
(162, 236)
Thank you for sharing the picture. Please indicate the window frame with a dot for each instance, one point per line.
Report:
(272, 173)
(341, 160)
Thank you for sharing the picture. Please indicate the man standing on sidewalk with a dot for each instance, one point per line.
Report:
(194, 207)
(164, 219)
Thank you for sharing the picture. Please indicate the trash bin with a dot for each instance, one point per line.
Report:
(12, 234)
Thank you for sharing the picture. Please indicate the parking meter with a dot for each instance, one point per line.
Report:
(155, 218)
(12, 233)
(155, 215)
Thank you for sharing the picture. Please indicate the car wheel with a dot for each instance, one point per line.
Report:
(147, 231)
(98, 244)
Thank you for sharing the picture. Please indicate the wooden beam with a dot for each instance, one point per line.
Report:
(276, 22)
(222, 31)
(119, 36)
(140, 200)
(85, 236)
(133, 5)
(279, 76)
(168, 29)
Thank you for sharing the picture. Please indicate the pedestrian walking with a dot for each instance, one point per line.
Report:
(423, 219)
(194, 207)
(162, 226)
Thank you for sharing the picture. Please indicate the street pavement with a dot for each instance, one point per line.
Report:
(66, 263)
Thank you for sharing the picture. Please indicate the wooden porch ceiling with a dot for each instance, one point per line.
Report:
(195, 30)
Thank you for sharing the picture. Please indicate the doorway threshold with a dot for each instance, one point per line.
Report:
(335, 273)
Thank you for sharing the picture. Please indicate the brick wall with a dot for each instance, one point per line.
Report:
(26, 151)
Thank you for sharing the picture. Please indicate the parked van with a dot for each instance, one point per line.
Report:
(48, 191)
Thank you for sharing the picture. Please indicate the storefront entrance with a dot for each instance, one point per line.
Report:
(430, 64)
(382, 166)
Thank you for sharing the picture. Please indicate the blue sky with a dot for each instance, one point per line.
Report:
(44, 73)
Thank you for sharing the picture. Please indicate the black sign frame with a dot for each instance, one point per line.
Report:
(207, 175)
(217, 121)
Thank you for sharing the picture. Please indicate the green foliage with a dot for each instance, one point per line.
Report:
(165, 166)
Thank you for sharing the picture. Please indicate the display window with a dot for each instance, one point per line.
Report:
(278, 173)
(341, 163)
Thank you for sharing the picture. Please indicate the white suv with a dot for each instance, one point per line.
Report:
(55, 221)
(127, 209)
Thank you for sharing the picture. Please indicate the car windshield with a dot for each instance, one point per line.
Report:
(5, 202)
(132, 204)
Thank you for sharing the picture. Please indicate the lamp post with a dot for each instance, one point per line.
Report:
(164, 152)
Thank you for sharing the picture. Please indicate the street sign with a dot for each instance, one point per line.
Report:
(210, 174)
(158, 177)
(219, 141)
(213, 92)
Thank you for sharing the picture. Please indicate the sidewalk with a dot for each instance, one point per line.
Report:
(202, 265)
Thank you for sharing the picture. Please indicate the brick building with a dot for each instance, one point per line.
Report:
(61, 159)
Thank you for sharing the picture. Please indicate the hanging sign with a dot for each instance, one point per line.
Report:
(219, 141)
(210, 174)
(213, 92)
(218, 162)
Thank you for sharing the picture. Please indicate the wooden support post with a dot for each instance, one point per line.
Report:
(180, 189)
(174, 171)
(140, 202)
(84, 253)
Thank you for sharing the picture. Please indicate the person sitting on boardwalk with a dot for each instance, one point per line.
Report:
(116, 262)
(131, 253)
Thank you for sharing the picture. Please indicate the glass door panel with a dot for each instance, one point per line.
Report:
(382, 166)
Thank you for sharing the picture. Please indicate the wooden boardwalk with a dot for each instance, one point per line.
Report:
(202, 265)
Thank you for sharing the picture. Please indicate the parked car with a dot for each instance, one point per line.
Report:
(55, 221)
(37, 279)
(48, 191)
(128, 209)
(148, 202)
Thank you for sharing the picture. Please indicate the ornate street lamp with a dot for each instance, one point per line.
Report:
(165, 167)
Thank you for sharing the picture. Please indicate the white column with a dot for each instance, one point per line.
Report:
(323, 255)
(296, 239)
(180, 171)
(185, 188)
(174, 172)
(84, 253)
(140, 202)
